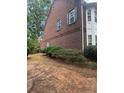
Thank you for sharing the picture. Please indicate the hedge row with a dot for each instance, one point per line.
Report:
(69, 55)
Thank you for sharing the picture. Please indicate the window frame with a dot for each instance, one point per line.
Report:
(74, 15)
(95, 16)
(90, 40)
(58, 25)
(89, 15)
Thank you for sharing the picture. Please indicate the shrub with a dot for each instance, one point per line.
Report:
(28, 51)
(50, 50)
(42, 50)
(33, 46)
(38, 50)
(91, 52)
(69, 55)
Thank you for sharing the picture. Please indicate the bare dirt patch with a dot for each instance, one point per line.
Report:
(46, 75)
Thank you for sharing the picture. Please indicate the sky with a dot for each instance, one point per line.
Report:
(91, 0)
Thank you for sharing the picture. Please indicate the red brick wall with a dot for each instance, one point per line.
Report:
(70, 35)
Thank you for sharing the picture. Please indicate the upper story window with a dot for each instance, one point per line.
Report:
(89, 39)
(72, 16)
(58, 25)
(95, 16)
(89, 15)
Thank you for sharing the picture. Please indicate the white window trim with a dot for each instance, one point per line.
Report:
(58, 25)
(74, 15)
(90, 41)
(89, 15)
(95, 16)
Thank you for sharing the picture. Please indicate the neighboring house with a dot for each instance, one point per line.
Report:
(71, 24)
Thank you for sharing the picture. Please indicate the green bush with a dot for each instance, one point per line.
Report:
(33, 46)
(50, 50)
(38, 49)
(42, 50)
(69, 55)
(28, 51)
(91, 52)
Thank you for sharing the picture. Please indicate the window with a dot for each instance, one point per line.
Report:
(72, 16)
(95, 16)
(96, 39)
(48, 44)
(58, 25)
(89, 15)
(89, 39)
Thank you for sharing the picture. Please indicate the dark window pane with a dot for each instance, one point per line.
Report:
(89, 18)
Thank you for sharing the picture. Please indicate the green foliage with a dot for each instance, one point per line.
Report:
(91, 52)
(51, 50)
(69, 55)
(92, 65)
(37, 11)
(33, 46)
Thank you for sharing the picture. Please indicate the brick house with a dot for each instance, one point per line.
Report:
(71, 24)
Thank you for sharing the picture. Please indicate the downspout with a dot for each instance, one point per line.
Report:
(82, 25)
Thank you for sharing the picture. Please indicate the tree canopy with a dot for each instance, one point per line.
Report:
(37, 11)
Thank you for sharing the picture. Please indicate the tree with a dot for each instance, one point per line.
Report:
(37, 11)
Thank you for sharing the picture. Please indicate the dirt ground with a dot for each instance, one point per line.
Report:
(46, 75)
